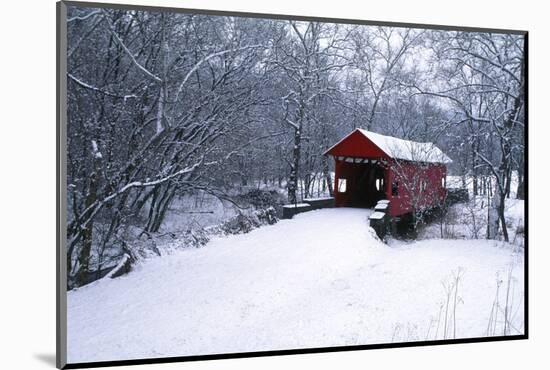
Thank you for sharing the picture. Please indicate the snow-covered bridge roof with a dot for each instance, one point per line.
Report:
(396, 148)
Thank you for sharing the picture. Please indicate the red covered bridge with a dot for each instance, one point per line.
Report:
(370, 167)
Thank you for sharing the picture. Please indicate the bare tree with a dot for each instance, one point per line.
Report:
(482, 77)
(307, 57)
(380, 56)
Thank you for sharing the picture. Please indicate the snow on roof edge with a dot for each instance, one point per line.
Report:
(407, 149)
(401, 148)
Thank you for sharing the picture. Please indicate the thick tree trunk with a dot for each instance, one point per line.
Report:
(508, 183)
(475, 168)
(492, 217)
(326, 175)
(502, 218)
(160, 110)
(307, 184)
(87, 233)
(293, 178)
(520, 193)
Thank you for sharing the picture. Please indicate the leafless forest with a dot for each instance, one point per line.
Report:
(165, 105)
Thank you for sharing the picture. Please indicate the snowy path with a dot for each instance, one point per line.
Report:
(318, 280)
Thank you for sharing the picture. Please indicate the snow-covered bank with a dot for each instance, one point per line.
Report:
(469, 221)
(320, 279)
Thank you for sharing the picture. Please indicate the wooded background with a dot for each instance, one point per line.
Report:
(161, 105)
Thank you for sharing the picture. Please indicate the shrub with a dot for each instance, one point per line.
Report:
(263, 199)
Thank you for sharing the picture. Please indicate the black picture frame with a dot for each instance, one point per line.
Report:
(61, 188)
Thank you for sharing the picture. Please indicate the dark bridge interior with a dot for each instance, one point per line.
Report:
(361, 184)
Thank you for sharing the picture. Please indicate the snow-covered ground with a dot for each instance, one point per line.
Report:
(320, 279)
